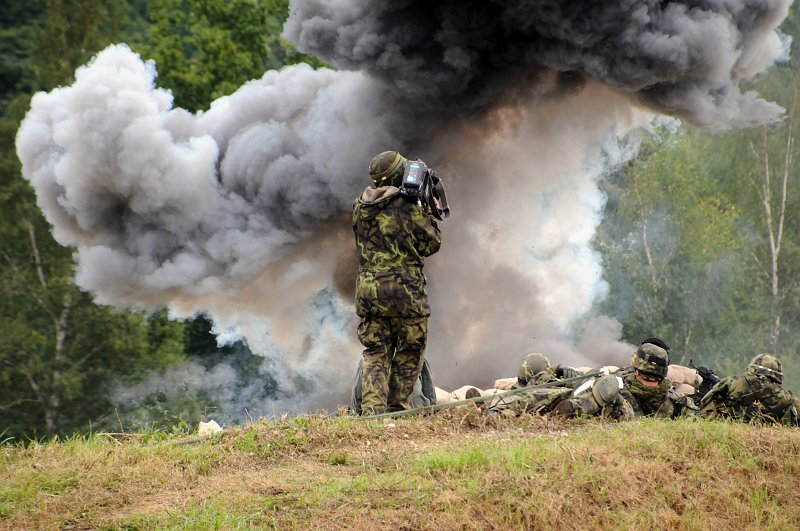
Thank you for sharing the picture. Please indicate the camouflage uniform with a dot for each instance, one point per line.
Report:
(651, 362)
(536, 369)
(596, 396)
(662, 401)
(533, 401)
(755, 395)
(601, 396)
(393, 235)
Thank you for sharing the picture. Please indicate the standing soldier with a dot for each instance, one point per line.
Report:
(393, 234)
(755, 395)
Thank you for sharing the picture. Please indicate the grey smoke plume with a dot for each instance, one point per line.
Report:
(241, 211)
(680, 58)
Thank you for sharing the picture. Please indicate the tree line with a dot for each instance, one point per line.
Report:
(59, 352)
(699, 241)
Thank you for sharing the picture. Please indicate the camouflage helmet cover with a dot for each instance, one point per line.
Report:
(767, 365)
(531, 365)
(387, 168)
(651, 359)
(606, 389)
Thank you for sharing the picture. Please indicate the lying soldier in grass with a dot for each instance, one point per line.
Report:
(756, 395)
(639, 390)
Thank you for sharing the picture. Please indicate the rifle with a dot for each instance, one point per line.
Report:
(710, 378)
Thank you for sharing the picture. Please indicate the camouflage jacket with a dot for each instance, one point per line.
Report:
(550, 374)
(662, 401)
(750, 397)
(533, 401)
(393, 235)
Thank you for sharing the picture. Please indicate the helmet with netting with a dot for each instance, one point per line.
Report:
(532, 365)
(767, 365)
(650, 358)
(387, 168)
(605, 389)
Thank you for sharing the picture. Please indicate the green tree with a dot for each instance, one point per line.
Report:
(205, 49)
(17, 40)
(669, 244)
(58, 349)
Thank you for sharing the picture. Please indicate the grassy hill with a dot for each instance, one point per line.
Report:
(457, 469)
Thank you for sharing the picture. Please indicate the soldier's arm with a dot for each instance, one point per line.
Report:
(714, 399)
(356, 213)
(620, 409)
(789, 416)
(795, 411)
(426, 232)
(684, 405)
(562, 371)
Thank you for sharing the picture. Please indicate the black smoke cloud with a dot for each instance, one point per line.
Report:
(241, 211)
(678, 58)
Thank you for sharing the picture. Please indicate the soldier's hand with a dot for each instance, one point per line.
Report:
(564, 372)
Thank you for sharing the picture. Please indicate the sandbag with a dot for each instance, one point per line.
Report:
(681, 376)
(505, 383)
(208, 428)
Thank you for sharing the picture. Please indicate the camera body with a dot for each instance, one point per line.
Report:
(422, 184)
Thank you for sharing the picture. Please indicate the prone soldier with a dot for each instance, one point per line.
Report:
(756, 395)
(646, 386)
(596, 396)
(644, 390)
(536, 369)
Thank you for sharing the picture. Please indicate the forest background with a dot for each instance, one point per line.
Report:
(700, 240)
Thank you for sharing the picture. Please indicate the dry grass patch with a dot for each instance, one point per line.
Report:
(457, 469)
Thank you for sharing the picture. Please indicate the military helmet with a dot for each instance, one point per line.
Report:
(531, 365)
(387, 168)
(767, 365)
(650, 358)
(606, 389)
(657, 342)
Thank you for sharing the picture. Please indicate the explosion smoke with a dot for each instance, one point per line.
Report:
(678, 58)
(242, 211)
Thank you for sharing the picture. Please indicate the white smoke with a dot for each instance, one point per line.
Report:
(516, 272)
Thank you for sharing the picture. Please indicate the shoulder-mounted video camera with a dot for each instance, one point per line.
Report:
(422, 184)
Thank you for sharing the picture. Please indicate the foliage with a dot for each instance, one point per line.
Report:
(205, 49)
(69, 33)
(17, 40)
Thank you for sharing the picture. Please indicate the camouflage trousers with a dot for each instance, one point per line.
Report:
(393, 356)
(533, 401)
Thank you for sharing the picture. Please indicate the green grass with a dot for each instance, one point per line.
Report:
(459, 469)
